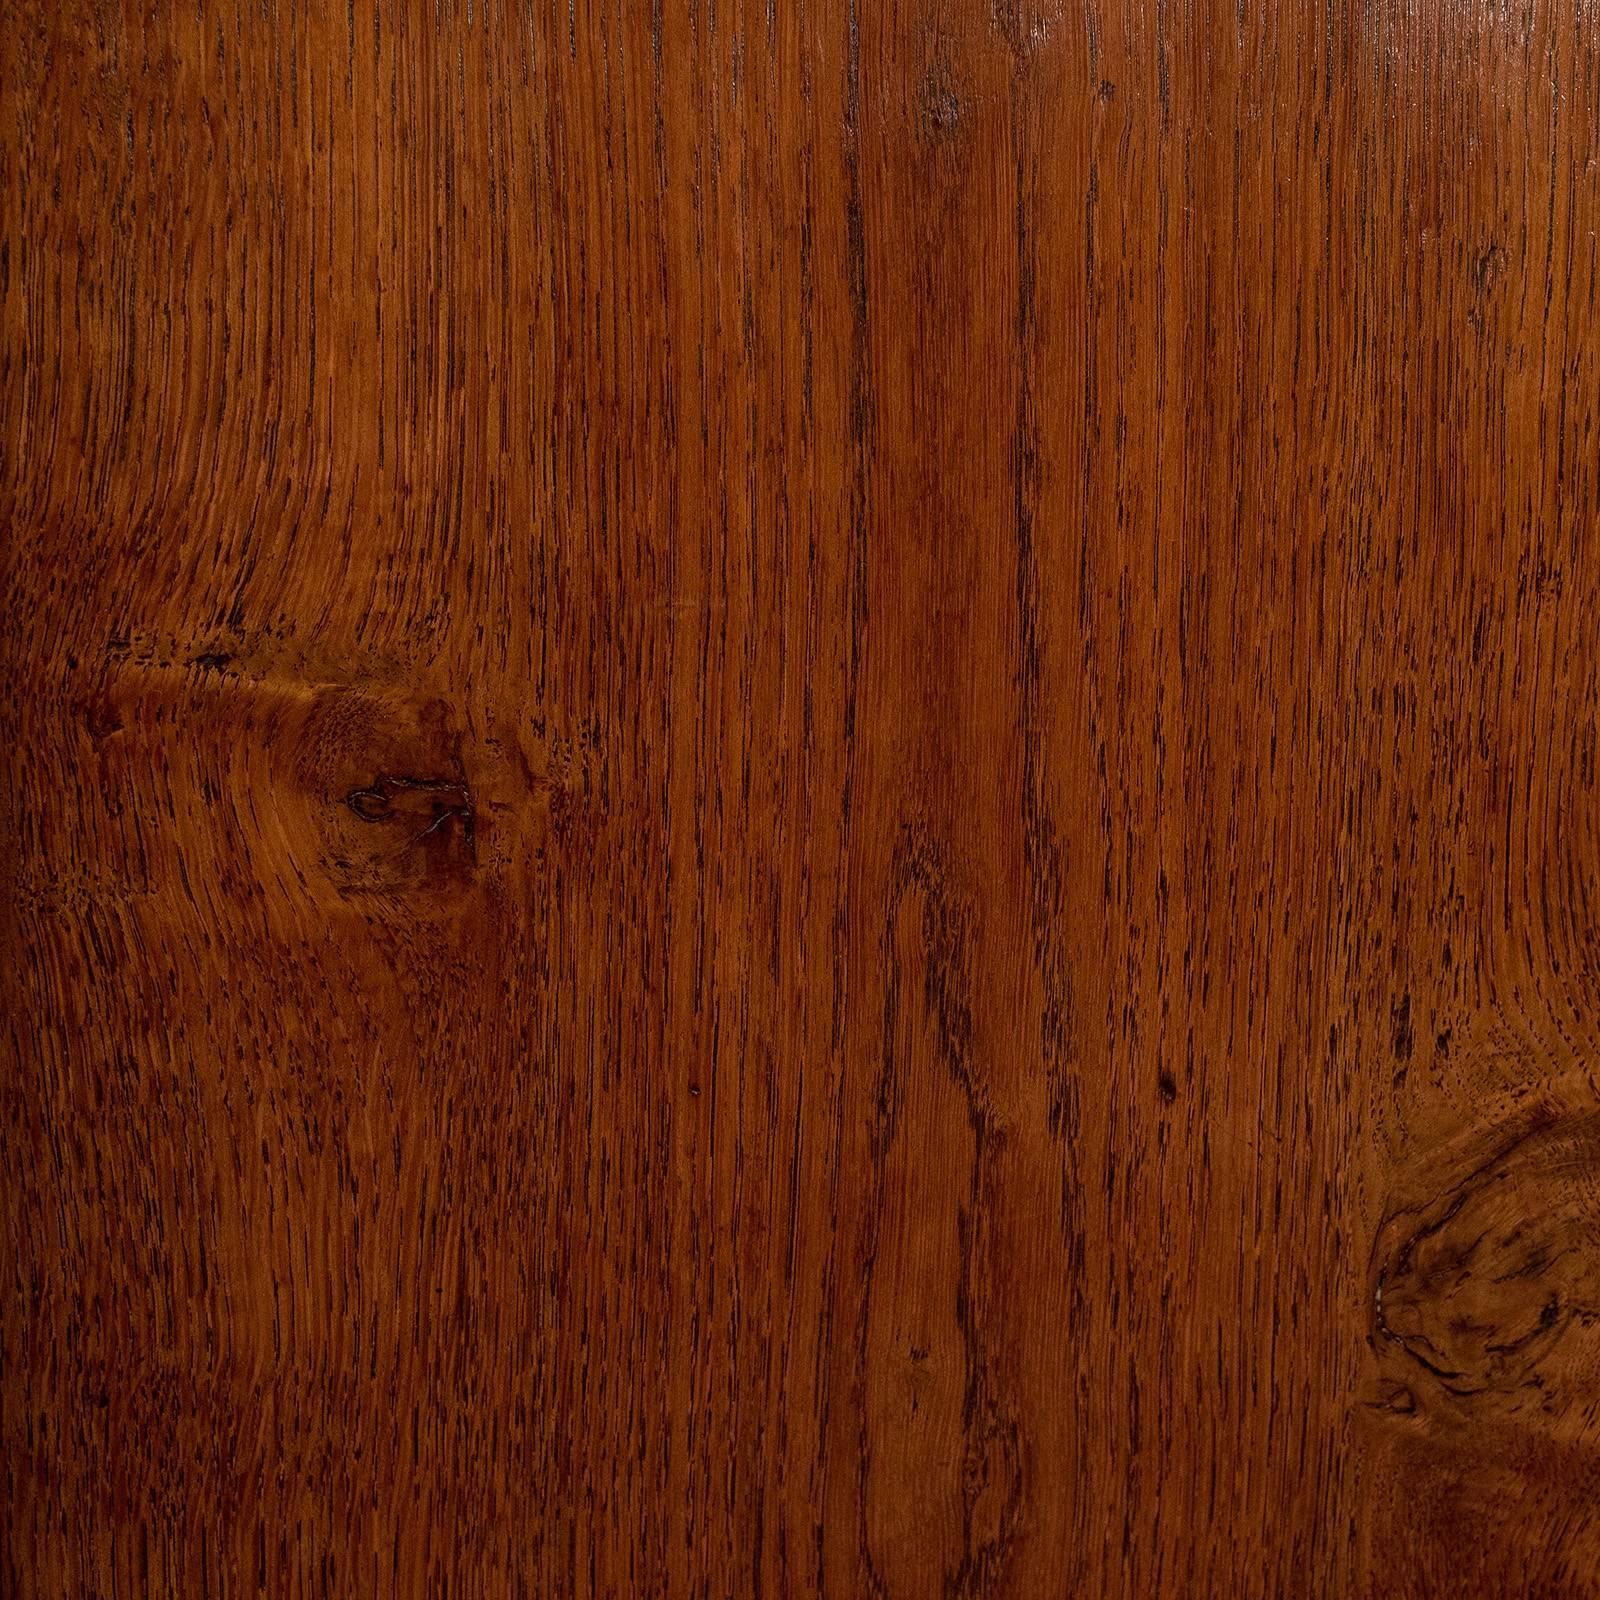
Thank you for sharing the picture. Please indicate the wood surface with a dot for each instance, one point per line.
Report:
(800, 798)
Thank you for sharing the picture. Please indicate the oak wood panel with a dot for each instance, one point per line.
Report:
(801, 798)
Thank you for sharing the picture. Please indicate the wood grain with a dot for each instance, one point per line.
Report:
(801, 801)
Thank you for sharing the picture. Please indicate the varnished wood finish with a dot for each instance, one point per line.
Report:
(800, 800)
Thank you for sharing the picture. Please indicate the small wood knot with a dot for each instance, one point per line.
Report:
(939, 106)
(433, 802)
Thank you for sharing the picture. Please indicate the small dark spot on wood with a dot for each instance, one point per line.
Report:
(1168, 1087)
(940, 106)
(100, 718)
(1488, 266)
(212, 661)
(1396, 1398)
(1403, 1037)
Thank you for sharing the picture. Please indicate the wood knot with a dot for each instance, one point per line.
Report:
(1477, 1286)
(941, 110)
(940, 105)
(427, 806)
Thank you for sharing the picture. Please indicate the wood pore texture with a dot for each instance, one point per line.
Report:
(800, 799)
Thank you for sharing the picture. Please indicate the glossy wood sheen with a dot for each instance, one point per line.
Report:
(801, 799)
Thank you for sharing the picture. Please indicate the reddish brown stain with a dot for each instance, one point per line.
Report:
(800, 800)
